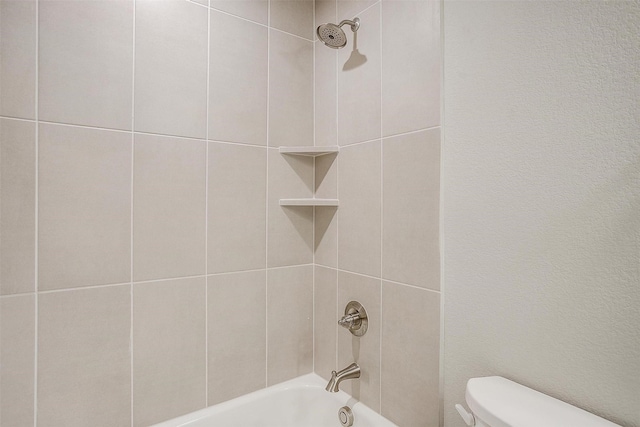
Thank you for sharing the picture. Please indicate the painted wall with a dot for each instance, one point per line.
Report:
(541, 193)
(141, 236)
(379, 100)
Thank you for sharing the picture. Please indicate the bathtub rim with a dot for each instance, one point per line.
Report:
(311, 380)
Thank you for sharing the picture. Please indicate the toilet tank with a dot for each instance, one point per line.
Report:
(499, 402)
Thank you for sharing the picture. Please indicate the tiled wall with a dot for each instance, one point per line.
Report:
(379, 100)
(145, 259)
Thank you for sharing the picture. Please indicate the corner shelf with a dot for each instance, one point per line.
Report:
(309, 151)
(309, 202)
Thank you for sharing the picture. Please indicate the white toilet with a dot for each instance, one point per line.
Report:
(499, 402)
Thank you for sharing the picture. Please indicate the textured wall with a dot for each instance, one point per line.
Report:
(542, 201)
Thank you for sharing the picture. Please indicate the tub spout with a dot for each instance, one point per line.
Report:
(350, 372)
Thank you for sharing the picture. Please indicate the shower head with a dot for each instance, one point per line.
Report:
(333, 36)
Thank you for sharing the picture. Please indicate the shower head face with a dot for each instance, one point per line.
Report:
(332, 36)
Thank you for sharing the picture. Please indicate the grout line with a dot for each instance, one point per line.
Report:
(83, 288)
(337, 316)
(266, 207)
(239, 143)
(354, 144)
(268, 25)
(131, 277)
(235, 272)
(142, 282)
(355, 14)
(384, 280)
(37, 218)
(127, 131)
(162, 135)
(198, 4)
(168, 279)
(313, 278)
(224, 12)
(336, 58)
(291, 34)
(109, 285)
(19, 119)
(137, 132)
(313, 313)
(441, 219)
(381, 210)
(21, 294)
(391, 136)
(313, 239)
(290, 266)
(314, 78)
(411, 132)
(206, 218)
(326, 266)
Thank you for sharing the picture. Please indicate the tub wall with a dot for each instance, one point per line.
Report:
(541, 200)
(145, 261)
(381, 105)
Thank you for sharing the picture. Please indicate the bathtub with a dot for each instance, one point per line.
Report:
(301, 402)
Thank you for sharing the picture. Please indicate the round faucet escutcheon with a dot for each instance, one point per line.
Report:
(355, 319)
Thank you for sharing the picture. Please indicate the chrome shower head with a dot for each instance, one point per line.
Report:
(333, 36)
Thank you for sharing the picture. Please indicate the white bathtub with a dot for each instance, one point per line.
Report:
(301, 402)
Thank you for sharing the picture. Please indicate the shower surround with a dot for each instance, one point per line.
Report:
(145, 259)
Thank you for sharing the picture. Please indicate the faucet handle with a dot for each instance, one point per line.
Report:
(349, 321)
(355, 319)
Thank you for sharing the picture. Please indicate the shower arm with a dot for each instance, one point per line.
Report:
(355, 24)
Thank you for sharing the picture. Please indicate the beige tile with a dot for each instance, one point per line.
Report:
(349, 9)
(326, 98)
(17, 360)
(293, 16)
(85, 62)
(326, 236)
(290, 90)
(169, 327)
(18, 53)
(325, 11)
(17, 206)
(171, 68)
(169, 212)
(411, 188)
(289, 323)
(84, 207)
(254, 10)
(237, 207)
(365, 350)
(84, 360)
(326, 176)
(238, 80)
(237, 334)
(359, 212)
(326, 218)
(410, 355)
(359, 81)
(410, 65)
(325, 293)
(289, 229)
